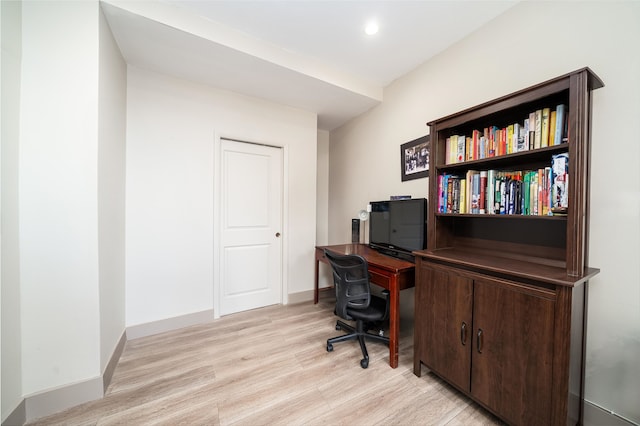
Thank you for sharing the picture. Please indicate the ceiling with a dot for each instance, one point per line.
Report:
(307, 54)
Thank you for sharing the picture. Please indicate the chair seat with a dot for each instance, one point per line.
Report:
(374, 312)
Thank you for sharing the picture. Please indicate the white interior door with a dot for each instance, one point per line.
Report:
(251, 226)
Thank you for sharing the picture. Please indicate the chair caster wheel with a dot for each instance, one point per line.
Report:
(364, 363)
(329, 347)
(338, 327)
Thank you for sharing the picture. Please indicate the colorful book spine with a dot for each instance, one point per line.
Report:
(460, 150)
(463, 196)
(503, 196)
(538, 130)
(445, 193)
(482, 197)
(544, 137)
(492, 141)
(441, 194)
(552, 128)
(560, 181)
(526, 196)
(560, 120)
(491, 192)
(475, 193)
(532, 130)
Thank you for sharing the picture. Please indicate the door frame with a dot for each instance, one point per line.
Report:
(217, 215)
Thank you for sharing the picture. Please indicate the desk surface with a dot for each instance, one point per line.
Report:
(373, 256)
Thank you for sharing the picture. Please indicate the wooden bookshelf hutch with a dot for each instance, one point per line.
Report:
(500, 300)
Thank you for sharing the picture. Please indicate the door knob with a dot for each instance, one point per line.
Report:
(277, 234)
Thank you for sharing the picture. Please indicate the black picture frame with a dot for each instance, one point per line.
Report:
(414, 158)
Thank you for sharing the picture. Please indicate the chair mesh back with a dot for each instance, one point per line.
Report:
(351, 282)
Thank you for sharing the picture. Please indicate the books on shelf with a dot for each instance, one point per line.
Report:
(541, 128)
(539, 192)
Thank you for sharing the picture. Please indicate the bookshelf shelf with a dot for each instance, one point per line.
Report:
(500, 298)
(533, 156)
(501, 216)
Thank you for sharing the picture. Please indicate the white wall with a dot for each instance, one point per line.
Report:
(322, 200)
(58, 194)
(322, 185)
(171, 131)
(112, 108)
(10, 348)
(510, 53)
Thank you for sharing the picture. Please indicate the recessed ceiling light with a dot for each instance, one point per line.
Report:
(371, 28)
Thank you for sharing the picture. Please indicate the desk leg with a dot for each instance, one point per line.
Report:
(394, 321)
(315, 288)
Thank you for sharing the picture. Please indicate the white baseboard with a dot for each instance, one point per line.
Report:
(18, 417)
(107, 374)
(55, 400)
(303, 296)
(596, 416)
(52, 401)
(169, 324)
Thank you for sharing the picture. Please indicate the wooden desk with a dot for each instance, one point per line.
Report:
(387, 272)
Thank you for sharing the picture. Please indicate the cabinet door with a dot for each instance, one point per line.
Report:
(443, 316)
(513, 350)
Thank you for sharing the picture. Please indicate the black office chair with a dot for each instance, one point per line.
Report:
(354, 302)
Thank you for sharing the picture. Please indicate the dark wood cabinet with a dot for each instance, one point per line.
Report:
(500, 299)
(512, 349)
(445, 302)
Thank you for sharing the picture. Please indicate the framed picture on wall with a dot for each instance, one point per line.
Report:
(414, 158)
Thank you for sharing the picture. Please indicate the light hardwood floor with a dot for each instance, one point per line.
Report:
(270, 367)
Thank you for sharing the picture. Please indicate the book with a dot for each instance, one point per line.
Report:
(475, 141)
(475, 193)
(532, 130)
(482, 192)
(560, 181)
(540, 192)
(560, 123)
(538, 130)
(463, 196)
(521, 144)
(552, 128)
(544, 129)
(533, 188)
(526, 196)
(492, 141)
(469, 187)
(491, 191)
(503, 196)
(440, 194)
(460, 150)
(451, 147)
(455, 194)
(445, 193)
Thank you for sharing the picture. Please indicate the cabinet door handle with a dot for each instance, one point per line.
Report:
(479, 341)
(463, 333)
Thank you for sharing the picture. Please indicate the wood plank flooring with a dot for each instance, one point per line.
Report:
(270, 367)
